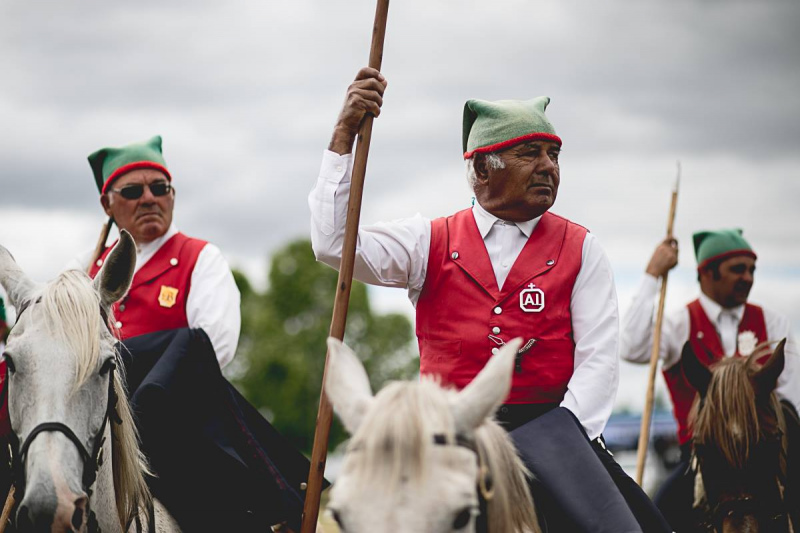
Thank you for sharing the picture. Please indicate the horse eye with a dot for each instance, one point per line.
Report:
(108, 365)
(9, 363)
(338, 518)
(463, 518)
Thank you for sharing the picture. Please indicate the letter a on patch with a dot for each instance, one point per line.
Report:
(168, 296)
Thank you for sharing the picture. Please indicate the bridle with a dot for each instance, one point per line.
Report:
(484, 483)
(92, 460)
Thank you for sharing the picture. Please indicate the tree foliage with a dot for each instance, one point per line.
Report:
(282, 347)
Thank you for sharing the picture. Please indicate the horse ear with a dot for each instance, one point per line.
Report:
(347, 385)
(114, 279)
(18, 285)
(766, 378)
(698, 375)
(481, 398)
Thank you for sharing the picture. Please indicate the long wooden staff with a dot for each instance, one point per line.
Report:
(99, 248)
(9, 505)
(644, 431)
(324, 415)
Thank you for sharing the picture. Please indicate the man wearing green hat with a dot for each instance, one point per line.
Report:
(719, 322)
(179, 281)
(505, 268)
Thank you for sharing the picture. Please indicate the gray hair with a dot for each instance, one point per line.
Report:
(493, 161)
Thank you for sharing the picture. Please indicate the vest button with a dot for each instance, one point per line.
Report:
(454, 255)
(497, 310)
(495, 329)
(495, 350)
(121, 307)
(551, 262)
(118, 325)
(173, 261)
(99, 262)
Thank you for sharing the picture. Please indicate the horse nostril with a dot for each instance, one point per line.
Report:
(24, 519)
(80, 508)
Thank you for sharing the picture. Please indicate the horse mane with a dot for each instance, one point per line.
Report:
(396, 447)
(731, 418)
(71, 306)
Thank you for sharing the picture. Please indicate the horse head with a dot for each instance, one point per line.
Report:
(62, 392)
(426, 459)
(738, 437)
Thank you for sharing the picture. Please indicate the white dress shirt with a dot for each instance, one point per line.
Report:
(213, 303)
(395, 254)
(637, 334)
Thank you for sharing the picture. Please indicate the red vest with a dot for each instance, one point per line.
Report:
(705, 339)
(461, 310)
(157, 298)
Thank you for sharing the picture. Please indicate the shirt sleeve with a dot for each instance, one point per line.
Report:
(389, 254)
(778, 327)
(214, 303)
(595, 324)
(638, 324)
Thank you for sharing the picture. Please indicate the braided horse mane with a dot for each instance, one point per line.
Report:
(71, 308)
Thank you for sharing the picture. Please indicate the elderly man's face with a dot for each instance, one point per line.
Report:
(147, 217)
(526, 187)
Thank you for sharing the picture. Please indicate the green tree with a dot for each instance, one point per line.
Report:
(282, 346)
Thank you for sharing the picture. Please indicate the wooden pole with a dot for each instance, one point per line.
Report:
(325, 414)
(644, 431)
(100, 247)
(7, 509)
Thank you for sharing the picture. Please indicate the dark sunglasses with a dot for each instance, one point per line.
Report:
(134, 192)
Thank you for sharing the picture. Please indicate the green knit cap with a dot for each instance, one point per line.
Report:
(722, 244)
(109, 164)
(493, 126)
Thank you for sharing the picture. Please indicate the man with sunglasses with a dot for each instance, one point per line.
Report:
(179, 281)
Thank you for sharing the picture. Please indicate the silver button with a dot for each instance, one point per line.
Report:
(99, 262)
(495, 350)
(497, 310)
(303, 486)
(121, 307)
(699, 334)
(495, 330)
(551, 262)
(173, 261)
(118, 325)
(454, 255)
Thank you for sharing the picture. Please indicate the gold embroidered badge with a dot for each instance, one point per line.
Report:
(168, 296)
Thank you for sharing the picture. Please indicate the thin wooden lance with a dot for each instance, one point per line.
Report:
(324, 415)
(644, 432)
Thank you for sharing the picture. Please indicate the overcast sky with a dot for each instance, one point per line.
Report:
(245, 95)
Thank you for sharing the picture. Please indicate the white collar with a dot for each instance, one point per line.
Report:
(152, 246)
(713, 310)
(485, 220)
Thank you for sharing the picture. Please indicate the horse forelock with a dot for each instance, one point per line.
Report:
(396, 436)
(732, 419)
(71, 309)
(395, 440)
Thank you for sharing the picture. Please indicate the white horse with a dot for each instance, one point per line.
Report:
(78, 463)
(425, 459)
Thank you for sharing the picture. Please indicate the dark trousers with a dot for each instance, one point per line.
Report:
(675, 497)
(554, 520)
